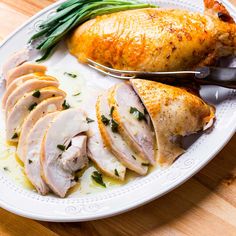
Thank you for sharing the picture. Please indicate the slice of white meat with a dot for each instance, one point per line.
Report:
(26, 87)
(16, 83)
(33, 148)
(23, 108)
(113, 140)
(19, 81)
(24, 69)
(101, 156)
(15, 60)
(65, 126)
(75, 157)
(47, 106)
(129, 112)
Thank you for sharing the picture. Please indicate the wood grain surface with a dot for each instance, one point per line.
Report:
(204, 205)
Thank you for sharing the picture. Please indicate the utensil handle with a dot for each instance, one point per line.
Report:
(224, 77)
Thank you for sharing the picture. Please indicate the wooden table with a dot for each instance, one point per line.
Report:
(204, 205)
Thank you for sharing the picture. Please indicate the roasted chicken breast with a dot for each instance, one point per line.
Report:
(66, 126)
(15, 60)
(174, 112)
(134, 127)
(155, 39)
(102, 156)
(15, 84)
(114, 141)
(23, 107)
(45, 107)
(24, 69)
(28, 86)
(33, 152)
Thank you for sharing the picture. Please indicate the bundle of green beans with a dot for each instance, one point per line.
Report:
(73, 13)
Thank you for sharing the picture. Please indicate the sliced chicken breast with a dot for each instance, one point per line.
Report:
(113, 140)
(16, 83)
(101, 156)
(19, 81)
(33, 148)
(174, 112)
(129, 112)
(24, 69)
(75, 156)
(47, 106)
(26, 87)
(15, 60)
(65, 126)
(23, 108)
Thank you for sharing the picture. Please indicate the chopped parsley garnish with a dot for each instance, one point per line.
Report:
(71, 75)
(5, 169)
(114, 126)
(97, 177)
(112, 109)
(89, 120)
(116, 173)
(36, 94)
(105, 121)
(32, 106)
(61, 147)
(65, 105)
(134, 157)
(77, 94)
(30, 161)
(137, 114)
(145, 164)
(15, 135)
(76, 179)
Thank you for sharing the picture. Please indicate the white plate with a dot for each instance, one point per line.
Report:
(15, 198)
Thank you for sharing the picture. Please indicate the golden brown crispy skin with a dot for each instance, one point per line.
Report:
(174, 112)
(155, 39)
